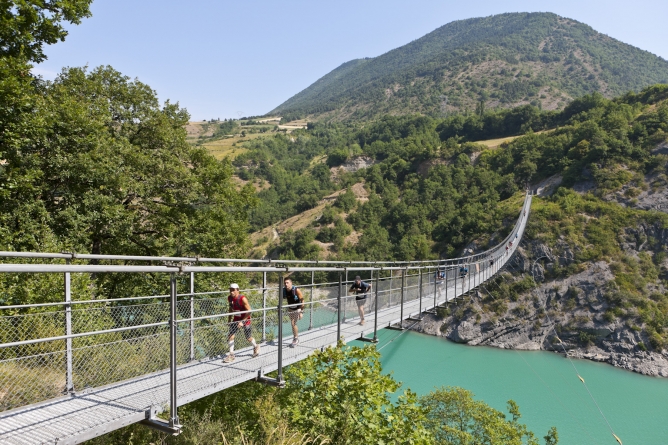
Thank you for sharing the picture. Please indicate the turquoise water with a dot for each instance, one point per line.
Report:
(544, 385)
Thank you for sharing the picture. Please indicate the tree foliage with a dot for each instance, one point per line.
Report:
(92, 162)
(455, 418)
(27, 25)
(342, 394)
(432, 191)
(110, 172)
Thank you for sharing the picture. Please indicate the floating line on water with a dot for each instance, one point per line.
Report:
(578, 373)
(568, 357)
(557, 397)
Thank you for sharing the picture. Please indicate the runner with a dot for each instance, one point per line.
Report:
(295, 308)
(360, 287)
(239, 303)
(440, 275)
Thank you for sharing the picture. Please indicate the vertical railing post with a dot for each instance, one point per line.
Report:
(391, 280)
(435, 287)
(192, 315)
(344, 302)
(458, 274)
(264, 306)
(446, 285)
(68, 331)
(310, 312)
(476, 267)
(338, 310)
(420, 281)
(371, 276)
(279, 377)
(403, 292)
(375, 317)
(173, 402)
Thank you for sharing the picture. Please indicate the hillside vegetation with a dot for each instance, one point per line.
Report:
(498, 61)
(433, 193)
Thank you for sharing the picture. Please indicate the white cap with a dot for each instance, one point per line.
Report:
(234, 286)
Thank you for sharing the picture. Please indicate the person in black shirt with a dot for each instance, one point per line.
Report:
(295, 308)
(361, 290)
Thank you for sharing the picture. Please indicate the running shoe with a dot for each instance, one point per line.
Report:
(295, 342)
(229, 358)
(256, 350)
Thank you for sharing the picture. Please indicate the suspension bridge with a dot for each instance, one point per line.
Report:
(73, 370)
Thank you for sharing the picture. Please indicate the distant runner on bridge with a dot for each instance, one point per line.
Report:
(360, 287)
(239, 303)
(440, 275)
(295, 308)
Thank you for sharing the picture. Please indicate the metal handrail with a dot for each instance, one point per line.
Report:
(84, 256)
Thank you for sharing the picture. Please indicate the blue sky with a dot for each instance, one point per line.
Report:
(222, 59)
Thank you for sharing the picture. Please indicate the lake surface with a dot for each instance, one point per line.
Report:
(544, 384)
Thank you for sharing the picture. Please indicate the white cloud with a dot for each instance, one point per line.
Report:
(45, 73)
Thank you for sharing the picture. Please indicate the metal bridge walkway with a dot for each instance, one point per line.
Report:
(86, 414)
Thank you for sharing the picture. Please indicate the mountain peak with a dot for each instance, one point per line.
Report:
(502, 60)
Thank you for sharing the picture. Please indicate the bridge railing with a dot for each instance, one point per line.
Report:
(74, 346)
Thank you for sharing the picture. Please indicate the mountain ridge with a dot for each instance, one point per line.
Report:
(503, 61)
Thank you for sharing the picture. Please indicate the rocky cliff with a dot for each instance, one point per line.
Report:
(547, 299)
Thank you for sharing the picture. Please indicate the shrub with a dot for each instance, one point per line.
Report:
(443, 312)
(585, 338)
(346, 201)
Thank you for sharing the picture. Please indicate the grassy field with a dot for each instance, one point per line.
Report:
(231, 146)
(496, 143)
(200, 133)
(224, 147)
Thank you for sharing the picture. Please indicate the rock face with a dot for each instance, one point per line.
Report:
(568, 315)
(357, 163)
(565, 315)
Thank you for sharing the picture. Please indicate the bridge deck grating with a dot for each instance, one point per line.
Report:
(73, 419)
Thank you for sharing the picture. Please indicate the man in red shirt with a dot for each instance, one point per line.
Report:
(239, 318)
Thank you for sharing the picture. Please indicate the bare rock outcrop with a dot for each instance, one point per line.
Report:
(565, 315)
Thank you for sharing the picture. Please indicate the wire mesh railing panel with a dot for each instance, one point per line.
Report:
(32, 378)
(91, 319)
(137, 338)
(15, 328)
(210, 336)
(115, 357)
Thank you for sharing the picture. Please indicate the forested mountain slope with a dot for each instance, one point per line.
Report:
(597, 247)
(498, 61)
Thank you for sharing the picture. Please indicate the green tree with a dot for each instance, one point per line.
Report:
(346, 201)
(103, 168)
(374, 243)
(552, 437)
(26, 25)
(342, 394)
(455, 418)
(114, 174)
